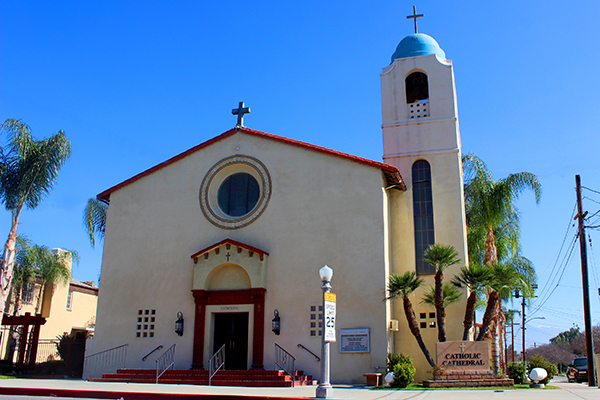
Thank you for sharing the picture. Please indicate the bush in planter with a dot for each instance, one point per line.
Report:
(516, 372)
(404, 371)
(6, 367)
(538, 361)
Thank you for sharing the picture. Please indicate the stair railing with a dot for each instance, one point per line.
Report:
(104, 360)
(313, 354)
(160, 346)
(165, 361)
(216, 362)
(286, 362)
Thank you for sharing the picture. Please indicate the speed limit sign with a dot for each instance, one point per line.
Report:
(329, 315)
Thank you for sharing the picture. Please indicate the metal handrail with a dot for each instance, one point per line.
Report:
(215, 363)
(313, 354)
(165, 361)
(105, 359)
(160, 346)
(285, 361)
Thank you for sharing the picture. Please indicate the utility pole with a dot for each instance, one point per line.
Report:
(589, 345)
(523, 328)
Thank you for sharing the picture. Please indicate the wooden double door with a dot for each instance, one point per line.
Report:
(231, 330)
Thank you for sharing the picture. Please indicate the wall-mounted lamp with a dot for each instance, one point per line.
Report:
(276, 323)
(179, 324)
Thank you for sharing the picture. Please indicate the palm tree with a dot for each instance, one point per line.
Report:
(504, 279)
(450, 295)
(440, 257)
(403, 286)
(94, 219)
(475, 278)
(24, 271)
(493, 224)
(490, 207)
(53, 268)
(28, 171)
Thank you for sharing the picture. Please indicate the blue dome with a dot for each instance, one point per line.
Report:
(418, 44)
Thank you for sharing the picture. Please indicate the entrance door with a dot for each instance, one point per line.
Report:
(231, 329)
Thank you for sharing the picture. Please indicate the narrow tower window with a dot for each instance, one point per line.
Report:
(417, 88)
(423, 214)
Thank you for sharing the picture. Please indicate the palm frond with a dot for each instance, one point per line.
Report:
(94, 219)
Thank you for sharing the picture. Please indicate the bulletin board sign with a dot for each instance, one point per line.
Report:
(354, 340)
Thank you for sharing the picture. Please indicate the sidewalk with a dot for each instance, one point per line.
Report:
(59, 388)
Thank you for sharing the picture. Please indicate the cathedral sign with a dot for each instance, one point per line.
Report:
(461, 355)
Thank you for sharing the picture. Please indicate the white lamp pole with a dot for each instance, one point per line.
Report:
(325, 390)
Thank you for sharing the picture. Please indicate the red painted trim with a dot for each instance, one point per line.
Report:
(255, 296)
(26, 319)
(115, 394)
(231, 242)
(386, 168)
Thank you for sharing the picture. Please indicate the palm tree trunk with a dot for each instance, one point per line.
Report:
(414, 329)
(439, 306)
(491, 252)
(8, 261)
(468, 321)
(495, 353)
(489, 314)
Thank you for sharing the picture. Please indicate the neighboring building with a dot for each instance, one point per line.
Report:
(238, 227)
(68, 309)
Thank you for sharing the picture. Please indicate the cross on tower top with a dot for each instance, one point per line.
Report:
(414, 17)
(240, 111)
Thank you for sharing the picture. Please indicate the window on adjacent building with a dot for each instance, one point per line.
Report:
(69, 300)
(423, 214)
(27, 292)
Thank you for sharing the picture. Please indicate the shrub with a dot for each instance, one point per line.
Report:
(51, 368)
(404, 371)
(538, 361)
(516, 372)
(392, 360)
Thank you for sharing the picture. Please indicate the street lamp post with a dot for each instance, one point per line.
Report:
(325, 390)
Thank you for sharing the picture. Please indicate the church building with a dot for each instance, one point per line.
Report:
(230, 235)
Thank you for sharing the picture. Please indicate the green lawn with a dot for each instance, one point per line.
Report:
(419, 386)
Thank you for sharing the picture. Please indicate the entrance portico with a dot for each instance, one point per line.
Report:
(229, 296)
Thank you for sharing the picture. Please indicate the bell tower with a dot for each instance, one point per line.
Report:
(421, 137)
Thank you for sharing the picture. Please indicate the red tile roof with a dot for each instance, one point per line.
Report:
(231, 242)
(391, 172)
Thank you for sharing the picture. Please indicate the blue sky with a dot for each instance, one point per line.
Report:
(133, 83)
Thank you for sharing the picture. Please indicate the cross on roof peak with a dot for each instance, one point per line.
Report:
(240, 111)
(414, 17)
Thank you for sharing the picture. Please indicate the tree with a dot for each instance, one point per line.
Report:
(450, 295)
(493, 228)
(28, 171)
(52, 267)
(402, 286)
(440, 257)
(503, 280)
(94, 219)
(475, 278)
(23, 272)
(490, 208)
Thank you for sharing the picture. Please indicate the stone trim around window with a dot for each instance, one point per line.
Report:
(217, 175)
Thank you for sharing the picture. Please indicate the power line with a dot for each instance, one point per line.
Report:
(569, 226)
(591, 190)
(565, 264)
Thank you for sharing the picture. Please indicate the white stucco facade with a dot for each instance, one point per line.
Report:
(173, 245)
